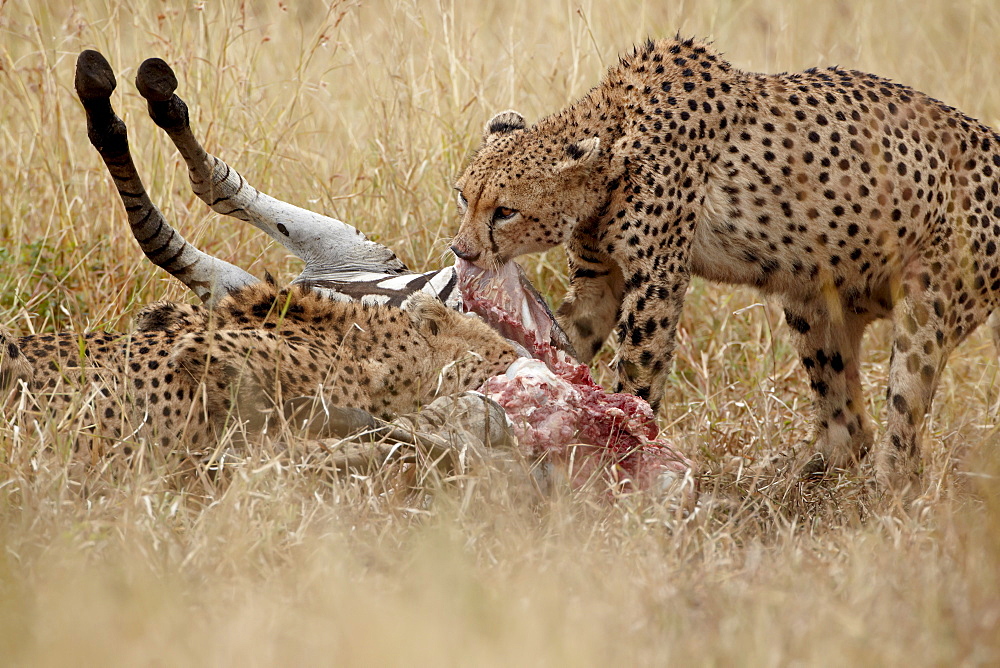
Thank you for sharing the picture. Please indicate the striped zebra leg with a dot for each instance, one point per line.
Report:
(447, 432)
(328, 246)
(208, 277)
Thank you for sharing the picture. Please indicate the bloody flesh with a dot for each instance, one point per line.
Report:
(552, 400)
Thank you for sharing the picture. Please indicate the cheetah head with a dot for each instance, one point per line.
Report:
(525, 190)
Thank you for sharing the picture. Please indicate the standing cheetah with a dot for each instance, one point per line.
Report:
(846, 196)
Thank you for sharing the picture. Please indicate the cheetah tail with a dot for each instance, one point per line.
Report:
(328, 246)
(208, 277)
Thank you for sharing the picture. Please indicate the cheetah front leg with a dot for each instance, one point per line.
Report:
(647, 334)
(590, 309)
(651, 308)
(656, 272)
(830, 349)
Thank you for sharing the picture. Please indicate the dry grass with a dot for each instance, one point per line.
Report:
(367, 111)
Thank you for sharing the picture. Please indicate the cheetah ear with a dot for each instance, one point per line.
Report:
(580, 154)
(503, 124)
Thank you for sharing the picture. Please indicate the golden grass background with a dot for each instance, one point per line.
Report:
(367, 111)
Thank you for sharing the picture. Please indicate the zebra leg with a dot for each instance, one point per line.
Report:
(328, 246)
(208, 277)
(446, 432)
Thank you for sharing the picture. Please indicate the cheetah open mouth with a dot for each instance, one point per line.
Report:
(552, 399)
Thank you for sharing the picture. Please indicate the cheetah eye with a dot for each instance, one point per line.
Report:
(463, 204)
(502, 213)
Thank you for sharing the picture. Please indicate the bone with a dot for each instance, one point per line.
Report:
(331, 249)
(208, 277)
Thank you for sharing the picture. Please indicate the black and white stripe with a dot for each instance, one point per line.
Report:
(391, 290)
(206, 276)
(340, 261)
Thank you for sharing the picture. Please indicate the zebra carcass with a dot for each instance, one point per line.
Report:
(547, 402)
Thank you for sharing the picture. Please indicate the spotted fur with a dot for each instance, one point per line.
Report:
(364, 335)
(846, 196)
(189, 373)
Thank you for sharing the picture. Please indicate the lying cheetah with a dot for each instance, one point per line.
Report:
(189, 373)
(254, 357)
(846, 196)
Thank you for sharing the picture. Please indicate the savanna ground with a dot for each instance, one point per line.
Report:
(366, 111)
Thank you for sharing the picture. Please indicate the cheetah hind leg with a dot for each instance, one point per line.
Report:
(208, 277)
(923, 340)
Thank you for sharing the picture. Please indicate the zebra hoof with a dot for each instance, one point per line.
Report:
(155, 80)
(95, 79)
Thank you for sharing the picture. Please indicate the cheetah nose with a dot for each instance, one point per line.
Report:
(468, 257)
